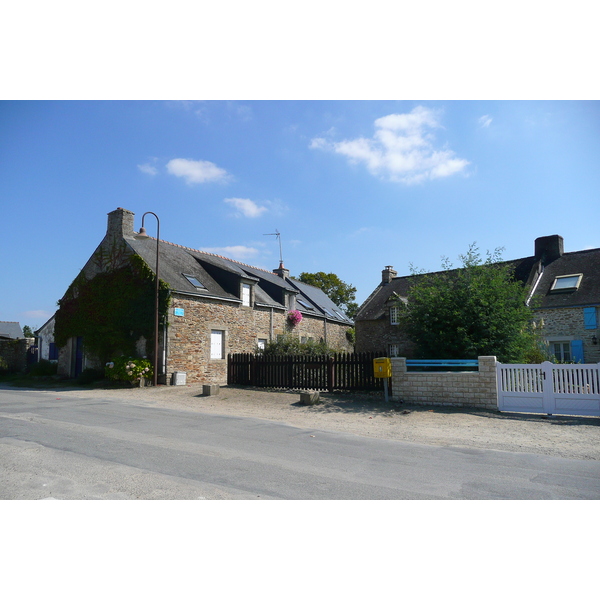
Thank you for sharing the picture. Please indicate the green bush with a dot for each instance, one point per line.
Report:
(3, 365)
(43, 368)
(290, 345)
(128, 369)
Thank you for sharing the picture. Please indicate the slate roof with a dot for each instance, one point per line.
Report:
(221, 278)
(537, 273)
(11, 330)
(586, 262)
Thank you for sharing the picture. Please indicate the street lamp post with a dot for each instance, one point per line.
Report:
(142, 235)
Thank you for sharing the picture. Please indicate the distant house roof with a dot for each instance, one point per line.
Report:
(10, 330)
(538, 272)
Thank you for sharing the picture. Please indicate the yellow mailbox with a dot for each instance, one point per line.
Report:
(382, 367)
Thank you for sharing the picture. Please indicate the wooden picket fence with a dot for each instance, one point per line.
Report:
(343, 371)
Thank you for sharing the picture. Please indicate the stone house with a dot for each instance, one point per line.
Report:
(217, 306)
(47, 349)
(566, 285)
(10, 330)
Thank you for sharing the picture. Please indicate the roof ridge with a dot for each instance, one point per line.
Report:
(212, 254)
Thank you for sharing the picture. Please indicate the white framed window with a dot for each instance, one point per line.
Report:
(217, 344)
(394, 315)
(394, 350)
(245, 294)
(566, 283)
(561, 351)
(261, 343)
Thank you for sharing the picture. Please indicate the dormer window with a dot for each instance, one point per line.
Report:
(566, 283)
(245, 294)
(195, 282)
(394, 315)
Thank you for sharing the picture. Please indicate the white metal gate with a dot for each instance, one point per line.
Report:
(549, 388)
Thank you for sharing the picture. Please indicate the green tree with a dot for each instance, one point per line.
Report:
(28, 331)
(341, 293)
(478, 309)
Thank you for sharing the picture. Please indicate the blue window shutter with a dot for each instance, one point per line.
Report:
(589, 318)
(577, 351)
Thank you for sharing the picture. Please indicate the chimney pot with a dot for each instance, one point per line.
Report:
(282, 271)
(388, 274)
(549, 248)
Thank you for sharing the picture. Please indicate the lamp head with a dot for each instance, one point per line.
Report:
(142, 235)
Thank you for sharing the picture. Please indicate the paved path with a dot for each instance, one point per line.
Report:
(75, 448)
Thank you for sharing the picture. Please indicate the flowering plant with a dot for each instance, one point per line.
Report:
(128, 369)
(294, 317)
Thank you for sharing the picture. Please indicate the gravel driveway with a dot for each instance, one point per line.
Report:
(369, 415)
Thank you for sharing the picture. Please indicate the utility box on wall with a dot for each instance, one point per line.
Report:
(382, 367)
(179, 378)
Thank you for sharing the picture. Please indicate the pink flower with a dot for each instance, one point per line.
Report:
(294, 317)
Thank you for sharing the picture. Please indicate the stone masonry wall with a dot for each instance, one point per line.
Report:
(567, 324)
(14, 353)
(468, 389)
(377, 335)
(188, 339)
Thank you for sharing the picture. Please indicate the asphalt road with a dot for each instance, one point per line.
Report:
(106, 449)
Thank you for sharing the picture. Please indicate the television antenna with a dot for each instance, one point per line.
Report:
(279, 240)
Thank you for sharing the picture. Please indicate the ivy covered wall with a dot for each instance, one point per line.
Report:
(112, 309)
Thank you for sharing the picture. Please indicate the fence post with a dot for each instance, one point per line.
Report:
(548, 396)
(330, 374)
(252, 370)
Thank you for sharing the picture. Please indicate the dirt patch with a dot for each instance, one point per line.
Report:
(369, 415)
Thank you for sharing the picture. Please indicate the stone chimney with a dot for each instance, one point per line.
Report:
(120, 224)
(282, 271)
(549, 248)
(387, 275)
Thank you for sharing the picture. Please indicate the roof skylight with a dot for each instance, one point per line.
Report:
(305, 304)
(195, 282)
(566, 283)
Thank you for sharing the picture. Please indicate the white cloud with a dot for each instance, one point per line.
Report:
(148, 169)
(41, 315)
(485, 121)
(246, 207)
(196, 171)
(402, 148)
(235, 252)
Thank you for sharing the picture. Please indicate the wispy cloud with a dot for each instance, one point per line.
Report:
(235, 252)
(402, 148)
(241, 111)
(41, 315)
(485, 121)
(246, 207)
(196, 171)
(148, 169)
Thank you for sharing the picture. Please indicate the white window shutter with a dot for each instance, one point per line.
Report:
(216, 344)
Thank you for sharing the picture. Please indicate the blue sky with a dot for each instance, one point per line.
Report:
(352, 186)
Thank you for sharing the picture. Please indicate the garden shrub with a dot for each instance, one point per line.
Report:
(43, 368)
(128, 369)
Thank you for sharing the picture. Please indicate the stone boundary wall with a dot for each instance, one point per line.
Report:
(474, 389)
(14, 352)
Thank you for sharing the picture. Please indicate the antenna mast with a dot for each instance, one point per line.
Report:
(279, 240)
